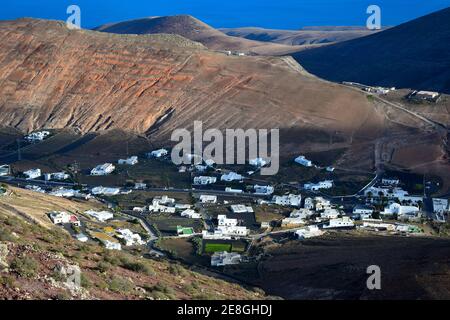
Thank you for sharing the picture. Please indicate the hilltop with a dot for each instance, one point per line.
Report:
(196, 30)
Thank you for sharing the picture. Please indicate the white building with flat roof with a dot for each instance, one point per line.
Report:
(339, 223)
(107, 191)
(56, 176)
(264, 190)
(398, 209)
(131, 161)
(231, 176)
(303, 161)
(219, 259)
(5, 170)
(208, 199)
(103, 169)
(326, 184)
(33, 174)
(309, 232)
(440, 205)
(240, 208)
(309, 204)
(100, 215)
(37, 136)
(204, 180)
(291, 200)
(191, 214)
(330, 214)
(158, 153)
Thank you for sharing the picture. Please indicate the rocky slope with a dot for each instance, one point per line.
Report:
(412, 55)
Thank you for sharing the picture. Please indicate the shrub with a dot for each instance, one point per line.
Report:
(103, 266)
(25, 266)
(138, 267)
(120, 285)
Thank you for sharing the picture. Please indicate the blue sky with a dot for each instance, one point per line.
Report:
(281, 14)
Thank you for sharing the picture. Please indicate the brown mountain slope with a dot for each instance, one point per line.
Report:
(413, 55)
(196, 30)
(53, 77)
(298, 37)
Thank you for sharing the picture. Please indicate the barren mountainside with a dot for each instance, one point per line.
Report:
(53, 77)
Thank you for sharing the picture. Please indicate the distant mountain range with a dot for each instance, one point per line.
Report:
(305, 36)
(415, 55)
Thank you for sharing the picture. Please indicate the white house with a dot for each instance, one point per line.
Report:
(330, 214)
(37, 136)
(204, 180)
(191, 214)
(264, 190)
(231, 190)
(288, 200)
(344, 222)
(65, 193)
(158, 153)
(239, 208)
(292, 221)
(302, 213)
(4, 170)
(140, 186)
(103, 169)
(163, 200)
(105, 191)
(303, 161)
(233, 232)
(110, 245)
(309, 204)
(258, 162)
(81, 237)
(322, 204)
(440, 205)
(59, 217)
(219, 259)
(326, 184)
(100, 215)
(395, 208)
(362, 209)
(63, 218)
(208, 199)
(56, 176)
(33, 174)
(131, 161)
(156, 207)
(129, 237)
(309, 232)
(330, 169)
(231, 176)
